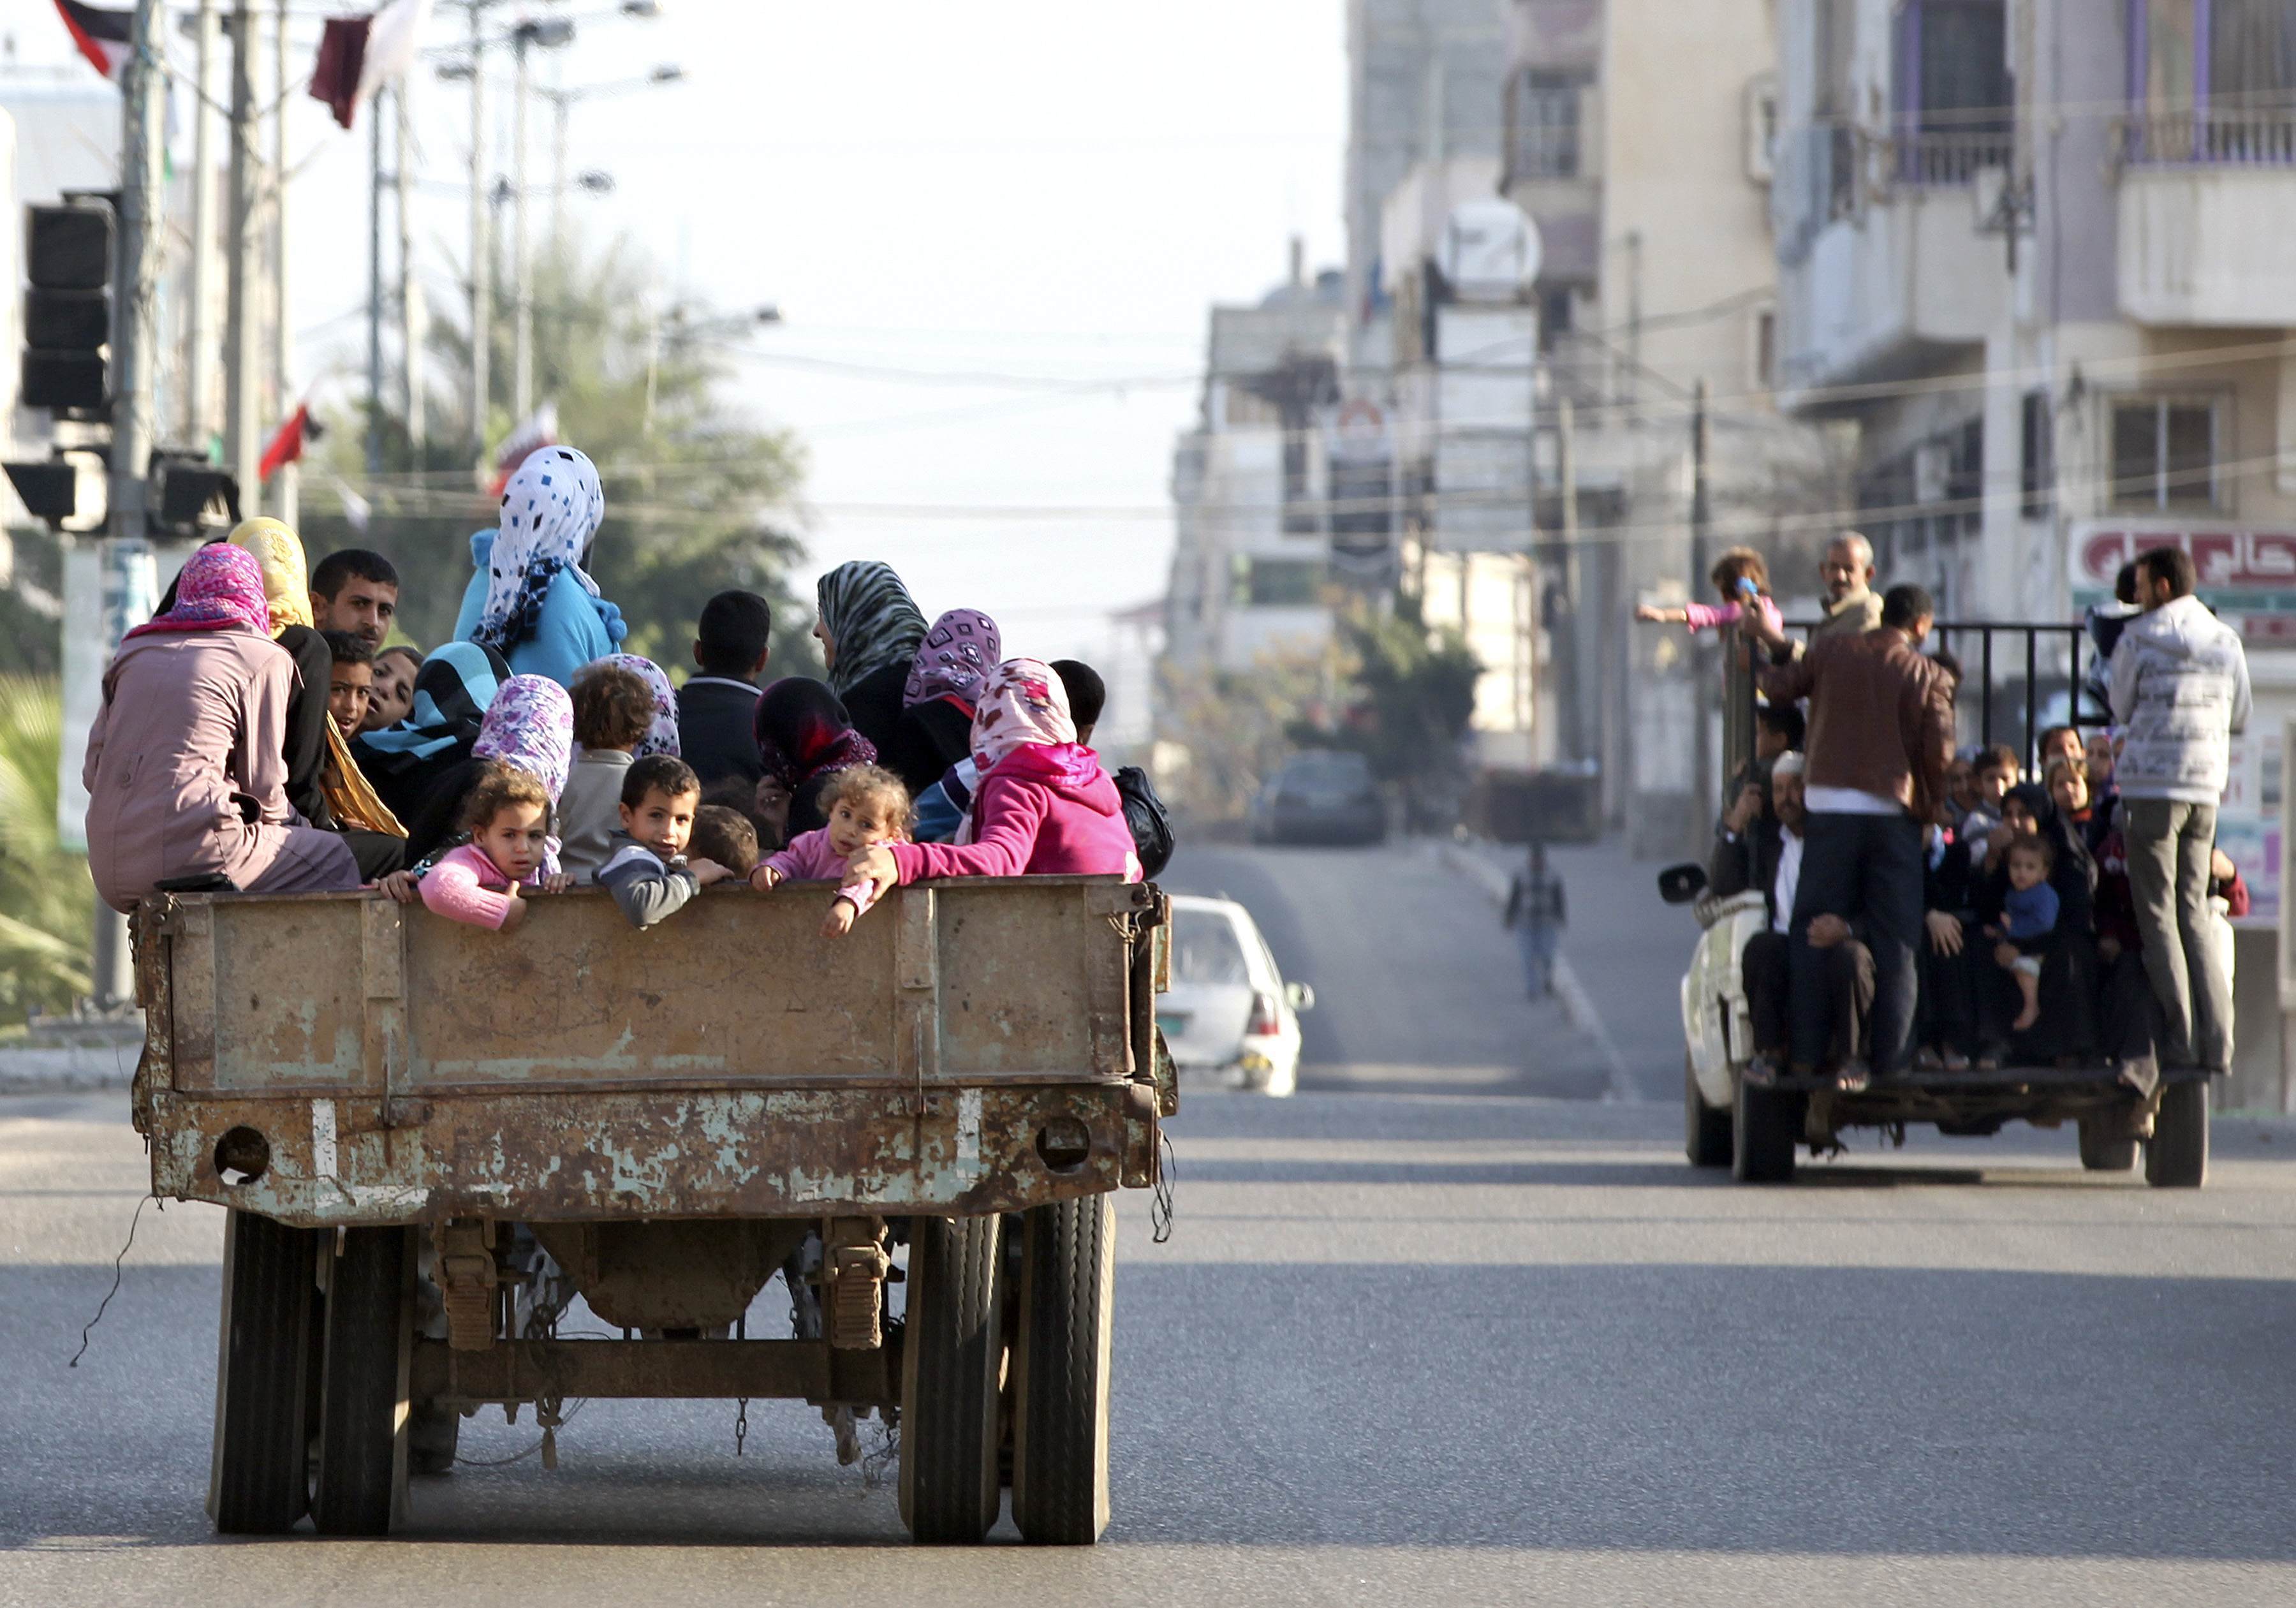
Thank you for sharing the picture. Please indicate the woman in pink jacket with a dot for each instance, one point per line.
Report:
(1043, 807)
(186, 768)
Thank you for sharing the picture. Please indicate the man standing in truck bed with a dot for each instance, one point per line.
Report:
(1880, 733)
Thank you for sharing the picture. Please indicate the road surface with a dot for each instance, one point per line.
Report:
(1448, 1327)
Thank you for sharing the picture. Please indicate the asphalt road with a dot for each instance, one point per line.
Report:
(1446, 1327)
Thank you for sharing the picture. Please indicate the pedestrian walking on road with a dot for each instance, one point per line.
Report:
(1880, 733)
(1535, 911)
(2180, 690)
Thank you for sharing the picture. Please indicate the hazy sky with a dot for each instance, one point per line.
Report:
(1050, 191)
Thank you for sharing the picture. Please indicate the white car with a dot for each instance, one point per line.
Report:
(1229, 1013)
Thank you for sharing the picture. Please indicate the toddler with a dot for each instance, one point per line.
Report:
(613, 712)
(725, 835)
(350, 686)
(2029, 919)
(478, 884)
(867, 808)
(1742, 579)
(646, 867)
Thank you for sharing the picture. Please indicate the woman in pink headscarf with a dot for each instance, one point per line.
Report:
(186, 769)
(1044, 807)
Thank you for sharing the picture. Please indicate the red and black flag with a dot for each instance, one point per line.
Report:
(105, 37)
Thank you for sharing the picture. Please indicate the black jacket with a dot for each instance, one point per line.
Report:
(717, 731)
(1748, 863)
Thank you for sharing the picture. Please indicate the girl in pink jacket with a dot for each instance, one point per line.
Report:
(867, 806)
(478, 883)
(1043, 806)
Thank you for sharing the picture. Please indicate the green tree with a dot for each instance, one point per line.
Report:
(1411, 692)
(46, 900)
(698, 495)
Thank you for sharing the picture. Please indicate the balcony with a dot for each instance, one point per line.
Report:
(1883, 269)
(2208, 203)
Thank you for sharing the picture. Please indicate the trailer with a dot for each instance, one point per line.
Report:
(430, 1137)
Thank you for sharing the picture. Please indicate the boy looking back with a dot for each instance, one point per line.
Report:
(715, 709)
(646, 869)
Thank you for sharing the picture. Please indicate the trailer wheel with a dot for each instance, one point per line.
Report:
(1763, 1125)
(1706, 1132)
(270, 1286)
(1068, 1300)
(2107, 1144)
(950, 1355)
(368, 1317)
(2178, 1158)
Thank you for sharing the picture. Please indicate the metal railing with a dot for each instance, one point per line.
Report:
(1982, 670)
(1945, 161)
(2260, 137)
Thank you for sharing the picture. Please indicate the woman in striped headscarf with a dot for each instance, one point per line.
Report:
(869, 630)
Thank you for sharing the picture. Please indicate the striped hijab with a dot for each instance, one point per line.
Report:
(871, 620)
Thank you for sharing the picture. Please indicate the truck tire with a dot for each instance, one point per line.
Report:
(2178, 1158)
(1764, 1123)
(1068, 1301)
(950, 1358)
(367, 1317)
(2107, 1144)
(1706, 1132)
(270, 1288)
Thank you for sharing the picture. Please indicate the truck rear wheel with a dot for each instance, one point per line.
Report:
(2107, 1144)
(270, 1284)
(2178, 1157)
(950, 1355)
(368, 1316)
(1706, 1131)
(1068, 1300)
(1763, 1126)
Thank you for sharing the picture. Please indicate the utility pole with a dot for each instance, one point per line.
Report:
(1575, 725)
(374, 289)
(286, 483)
(134, 357)
(242, 426)
(521, 258)
(1702, 780)
(410, 292)
(482, 286)
(199, 327)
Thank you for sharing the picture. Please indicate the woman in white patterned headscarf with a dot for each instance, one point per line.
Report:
(532, 599)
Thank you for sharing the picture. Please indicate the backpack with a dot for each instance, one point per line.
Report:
(1145, 815)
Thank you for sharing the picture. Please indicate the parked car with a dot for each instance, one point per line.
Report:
(1321, 796)
(1229, 1013)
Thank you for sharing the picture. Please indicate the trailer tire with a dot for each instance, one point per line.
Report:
(1706, 1137)
(2178, 1157)
(262, 1451)
(1068, 1303)
(950, 1356)
(2106, 1145)
(368, 1316)
(1764, 1123)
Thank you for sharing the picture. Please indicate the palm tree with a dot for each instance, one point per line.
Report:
(46, 900)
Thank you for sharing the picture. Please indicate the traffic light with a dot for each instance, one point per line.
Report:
(68, 256)
(189, 494)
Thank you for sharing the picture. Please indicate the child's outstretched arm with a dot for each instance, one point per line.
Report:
(452, 889)
(647, 890)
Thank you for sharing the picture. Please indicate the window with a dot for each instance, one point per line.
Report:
(1555, 314)
(1762, 127)
(1766, 347)
(1277, 583)
(2164, 453)
(2038, 475)
(1205, 950)
(1543, 141)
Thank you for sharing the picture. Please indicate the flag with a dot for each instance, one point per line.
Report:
(105, 37)
(286, 446)
(361, 55)
(528, 436)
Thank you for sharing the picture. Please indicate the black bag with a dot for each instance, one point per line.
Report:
(1150, 821)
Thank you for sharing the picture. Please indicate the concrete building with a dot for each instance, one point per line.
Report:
(2035, 253)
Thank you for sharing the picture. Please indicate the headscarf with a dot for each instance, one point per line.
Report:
(220, 589)
(804, 732)
(531, 724)
(279, 552)
(870, 620)
(954, 659)
(551, 511)
(1023, 703)
(662, 737)
(452, 691)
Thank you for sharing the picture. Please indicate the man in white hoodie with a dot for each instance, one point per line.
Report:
(2179, 691)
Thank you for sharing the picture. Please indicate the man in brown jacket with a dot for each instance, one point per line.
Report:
(1881, 734)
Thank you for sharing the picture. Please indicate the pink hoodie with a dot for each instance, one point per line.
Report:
(1047, 810)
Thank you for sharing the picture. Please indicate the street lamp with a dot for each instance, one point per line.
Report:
(562, 101)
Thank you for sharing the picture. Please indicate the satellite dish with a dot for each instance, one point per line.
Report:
(1490, 251)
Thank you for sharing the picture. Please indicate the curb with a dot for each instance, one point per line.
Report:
(1578, 1008)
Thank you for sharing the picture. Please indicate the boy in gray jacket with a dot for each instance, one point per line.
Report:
(2179, 691)
(646, 869)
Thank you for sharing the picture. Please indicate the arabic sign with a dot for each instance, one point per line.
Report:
(2247, 576)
